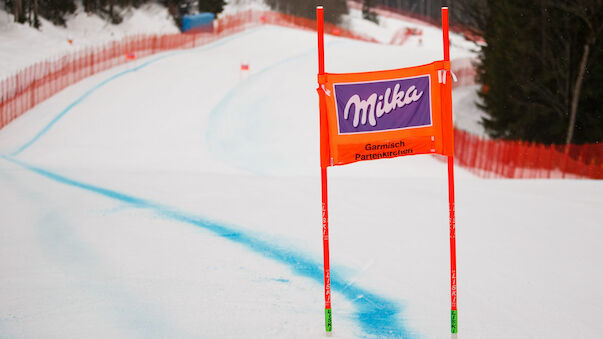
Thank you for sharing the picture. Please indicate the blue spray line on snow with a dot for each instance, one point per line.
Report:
(81, 98)
(376, 315)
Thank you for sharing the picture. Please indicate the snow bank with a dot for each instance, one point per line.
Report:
(22, 45)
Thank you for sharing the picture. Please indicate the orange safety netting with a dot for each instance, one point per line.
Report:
(488, 158)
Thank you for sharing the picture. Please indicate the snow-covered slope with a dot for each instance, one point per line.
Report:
(181, 199)
(22, 46)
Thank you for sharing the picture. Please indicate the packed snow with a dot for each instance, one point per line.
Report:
(182, 199)
(22, 45)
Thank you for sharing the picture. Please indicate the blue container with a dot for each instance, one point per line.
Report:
(202, 22)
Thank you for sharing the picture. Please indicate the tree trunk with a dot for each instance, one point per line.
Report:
(17, 10)
(576, 94)
(36, 20)
(111, 10)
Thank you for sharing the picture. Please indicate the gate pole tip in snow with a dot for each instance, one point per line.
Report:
(453, 277)
(323, 173)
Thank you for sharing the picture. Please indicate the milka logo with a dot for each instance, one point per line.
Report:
(377, 105)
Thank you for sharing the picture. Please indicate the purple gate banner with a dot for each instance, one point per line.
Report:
(383, 105)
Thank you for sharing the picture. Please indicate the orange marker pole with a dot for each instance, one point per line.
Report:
(323, 171)
(448, 108)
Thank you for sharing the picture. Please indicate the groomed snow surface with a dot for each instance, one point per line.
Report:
(22, 45)
(181, 199)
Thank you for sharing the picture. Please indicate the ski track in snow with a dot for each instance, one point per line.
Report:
(217, 145)
(376, 315)
(58, 237)
(118, 75)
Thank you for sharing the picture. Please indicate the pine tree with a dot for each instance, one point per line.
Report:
(55, 10)
(534, 72)
(367, 11)
(334, 9)
(212, 6)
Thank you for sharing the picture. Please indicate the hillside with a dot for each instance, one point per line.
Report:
(180, 197)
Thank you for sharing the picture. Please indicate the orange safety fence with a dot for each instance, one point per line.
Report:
(34, 84)
(386, 11)
(310, 24)
(487, 158)
(490, 158)
(516, 159)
